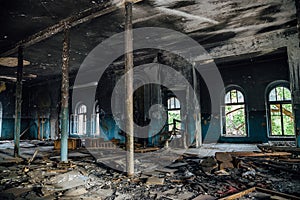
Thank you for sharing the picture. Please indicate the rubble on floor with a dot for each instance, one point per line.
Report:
(191, 176)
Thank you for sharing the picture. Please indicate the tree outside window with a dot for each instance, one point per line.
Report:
(280, 112)
(234, 117)
(173, 112)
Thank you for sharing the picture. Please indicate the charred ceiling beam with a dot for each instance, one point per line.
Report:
(82, 17)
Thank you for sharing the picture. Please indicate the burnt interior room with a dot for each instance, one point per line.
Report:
(150, 99)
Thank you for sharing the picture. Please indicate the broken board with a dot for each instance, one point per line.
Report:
(270, 193)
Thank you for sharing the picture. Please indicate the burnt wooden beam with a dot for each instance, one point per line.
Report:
(129, 90)
(65, 96)
(18, 107)
(72, 21)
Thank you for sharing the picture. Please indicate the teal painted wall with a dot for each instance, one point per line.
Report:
(253, 76)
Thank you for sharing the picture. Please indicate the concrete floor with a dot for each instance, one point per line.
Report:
(210, 149)
(204, 151)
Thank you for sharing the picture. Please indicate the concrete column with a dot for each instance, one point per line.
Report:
(18, 103)
(297, 3)
(186, 136)
(129, 90)
(65, 97)
(53, 121)
(197, 110)
(294, 68)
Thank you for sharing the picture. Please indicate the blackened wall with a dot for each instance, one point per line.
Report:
(8, 103)
(7, 98)
(253, 76)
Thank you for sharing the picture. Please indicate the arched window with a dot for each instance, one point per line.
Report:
(281, 119)
(234, 117)
(96, 120)
(82, 119)
(173, 113)
(1, 114)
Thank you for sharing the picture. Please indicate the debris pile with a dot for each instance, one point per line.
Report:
(189, 177)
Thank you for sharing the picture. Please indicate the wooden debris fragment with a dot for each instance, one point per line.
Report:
(223, 157)
(64, 165)
(225, 160)
(226, 165)
(205, 197)
(167, 171)
(266, 148)
(272, 194)
(16, 191)
(146, 150)
(155, 181)
(33, 156)
(177, 164)
(57, 170)
(73, 143)
(209, 164)
(253, 154)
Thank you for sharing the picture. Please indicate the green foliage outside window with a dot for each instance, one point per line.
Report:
(174, 114)
(282, 120)
(281, 115)
(235, 120)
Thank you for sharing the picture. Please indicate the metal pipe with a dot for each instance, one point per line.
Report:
(18, 103)
(129, 90)
(65, 96)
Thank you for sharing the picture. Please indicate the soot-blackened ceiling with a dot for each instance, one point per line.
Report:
(210, 22)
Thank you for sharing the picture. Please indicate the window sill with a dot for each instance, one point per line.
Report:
(234, 136)
(282, 136)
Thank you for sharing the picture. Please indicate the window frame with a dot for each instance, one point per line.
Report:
(175, 99)
(171, 108)
(95, 120)
(280, 102)
(223, 111)
(75, 119)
